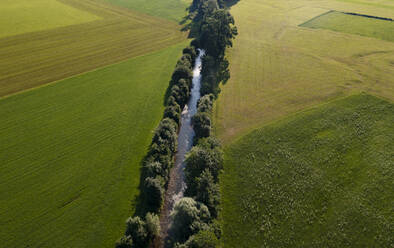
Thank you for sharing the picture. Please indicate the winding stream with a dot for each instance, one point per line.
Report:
(176, 185)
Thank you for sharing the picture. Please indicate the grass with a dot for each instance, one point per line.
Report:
(173, 10)
(359, 25)
(22, 16)
(33, 59)
(321, 178)
(278, 68)
(70, 153)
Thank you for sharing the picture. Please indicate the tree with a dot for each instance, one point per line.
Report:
(203, 239)
(152, 225)
(124, 242)
(199, 159)
(136, 228)
(207, 192)
(205, 103)
(201, 124)
(188, 218)
(173, 112)
(155, 191)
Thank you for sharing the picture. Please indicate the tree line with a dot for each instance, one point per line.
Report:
(194, 216)
(195, 222)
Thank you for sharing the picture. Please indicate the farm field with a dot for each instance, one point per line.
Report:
(352, 24)
(173, 10)
(71, 151)
(320, 178)
(30, 59)
(21, 16)
(278, 68)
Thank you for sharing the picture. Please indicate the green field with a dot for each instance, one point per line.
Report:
(21, 16)
(31, 59)
(70, 153)
(359, 25)
(320, 178)
(278, 68)
(173, 10)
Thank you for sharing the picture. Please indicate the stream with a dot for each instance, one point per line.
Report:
(177, 185)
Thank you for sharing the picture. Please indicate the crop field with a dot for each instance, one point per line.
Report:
(320, 178)
(71, 151)
(352, 24)
(278, 68)
(173, 10)
(29, 60)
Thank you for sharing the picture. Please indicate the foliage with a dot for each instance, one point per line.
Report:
(189, 217)
(153, 188)
(207, 192)
(203, 239)
(202, 125)
(124, 242)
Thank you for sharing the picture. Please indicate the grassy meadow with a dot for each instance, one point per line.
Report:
(359, 25)
(71, 151)
(320, 178)
(30, 59)
(278, 68)
(173, 10)
(26, 16)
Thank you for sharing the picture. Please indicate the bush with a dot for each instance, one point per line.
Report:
(125, 242)
(153, 188)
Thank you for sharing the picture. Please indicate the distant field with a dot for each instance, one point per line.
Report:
(278, 68)
(173, 10)
(359, 25)
(321, 178)
(70, 153)
(21, 16)
(32, 59)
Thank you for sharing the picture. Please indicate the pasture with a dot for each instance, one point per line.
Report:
(353, 24)
(29, 60)
(173, 10)
(71, 151)
(320, 178)
(26, 16)
(278, 68)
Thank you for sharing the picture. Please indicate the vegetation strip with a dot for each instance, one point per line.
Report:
(194, 223)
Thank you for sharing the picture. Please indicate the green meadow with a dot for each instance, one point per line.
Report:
(71, 151)
(359, 25)
(278, 68)
(320, 178)
(173, 10)
(20, 16)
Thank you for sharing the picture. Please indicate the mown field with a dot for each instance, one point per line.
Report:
(29, 60)
(71, 151)
(278, 67)
(173, 10)
(320, 178)
(21, 16)
(352, 24)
